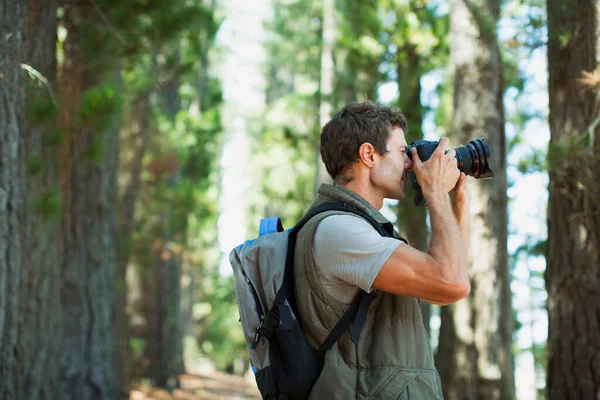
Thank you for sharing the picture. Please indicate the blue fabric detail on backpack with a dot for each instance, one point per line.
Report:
(270, 225)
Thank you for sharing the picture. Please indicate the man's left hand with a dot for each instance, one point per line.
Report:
(461, 199)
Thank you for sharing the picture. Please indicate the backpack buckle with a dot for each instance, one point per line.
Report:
(269, 323)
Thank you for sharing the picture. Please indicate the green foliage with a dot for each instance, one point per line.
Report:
(415, 35)
(52, 138)
(562, 33)
(98, 106)
(535, 162)
(532, 248)
(48, 205)
(167, 62)
(284, 149)
(95, 151)
(137, 346)
(444, 114)
(34, 164)
(295, 38)
(568, 149)
(222, 338)
(359, 51)
(41, 109)
(530, 19)
(513, 77)
(120, 285)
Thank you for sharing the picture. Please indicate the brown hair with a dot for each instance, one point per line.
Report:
(353, 125)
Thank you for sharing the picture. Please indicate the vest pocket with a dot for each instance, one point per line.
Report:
(423, 386)
(400, 384)
(394, 383)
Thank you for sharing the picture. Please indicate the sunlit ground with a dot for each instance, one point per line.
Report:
(201, 387)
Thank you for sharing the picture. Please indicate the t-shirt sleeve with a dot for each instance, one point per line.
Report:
(347, 248)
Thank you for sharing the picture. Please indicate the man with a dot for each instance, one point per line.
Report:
(337, 254)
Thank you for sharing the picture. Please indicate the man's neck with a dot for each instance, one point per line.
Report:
(364, 191)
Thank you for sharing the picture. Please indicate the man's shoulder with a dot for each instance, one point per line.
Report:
(341, 230)
(343, 221)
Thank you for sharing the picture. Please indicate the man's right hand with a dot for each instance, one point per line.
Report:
(439, 174)
(438, 276)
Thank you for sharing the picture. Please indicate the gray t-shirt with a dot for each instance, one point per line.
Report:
(350, 254)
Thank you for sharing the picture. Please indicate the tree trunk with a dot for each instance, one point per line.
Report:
(88, 187)
(134, 142)
(572, 278)
(161, 309)
(170, 339)
(474, 355)
(412, 220)
(40, 323)
(164, 351)
(324, 103)
(168, 94)
(12, 201)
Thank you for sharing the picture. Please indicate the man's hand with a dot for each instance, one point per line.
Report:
(439, 276)
(438, 175)
(461, 199)
(461, 203)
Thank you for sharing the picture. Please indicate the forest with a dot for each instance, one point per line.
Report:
(142, 140)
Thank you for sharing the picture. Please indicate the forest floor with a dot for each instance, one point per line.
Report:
(211, 386)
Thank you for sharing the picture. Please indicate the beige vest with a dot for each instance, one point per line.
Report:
(393, 358)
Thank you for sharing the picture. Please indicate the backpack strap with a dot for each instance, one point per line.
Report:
(270, 225)
(359, 307)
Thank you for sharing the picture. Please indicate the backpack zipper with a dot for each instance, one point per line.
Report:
(258, 333)
(259, 311)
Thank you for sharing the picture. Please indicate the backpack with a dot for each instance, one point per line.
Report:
(285, 364)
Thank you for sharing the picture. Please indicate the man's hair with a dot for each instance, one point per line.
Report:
(353, 125)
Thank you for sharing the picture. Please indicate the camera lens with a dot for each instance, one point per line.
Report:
(473, 159)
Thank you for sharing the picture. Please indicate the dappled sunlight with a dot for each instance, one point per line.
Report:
(215, 386)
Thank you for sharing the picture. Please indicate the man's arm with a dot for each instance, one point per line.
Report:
(461, 203)
(438, 276)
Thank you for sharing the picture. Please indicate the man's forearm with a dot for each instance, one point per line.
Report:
(464, 224)
(447, 245)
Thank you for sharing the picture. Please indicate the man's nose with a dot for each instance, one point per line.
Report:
(408, 164)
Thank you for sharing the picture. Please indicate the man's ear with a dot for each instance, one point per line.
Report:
(367, 154)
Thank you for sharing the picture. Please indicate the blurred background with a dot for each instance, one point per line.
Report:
(140, 141)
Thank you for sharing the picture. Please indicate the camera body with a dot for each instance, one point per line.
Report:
(472, 159)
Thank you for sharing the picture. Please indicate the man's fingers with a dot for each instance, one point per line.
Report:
(462, 180)
(415, 157)
(442, 145)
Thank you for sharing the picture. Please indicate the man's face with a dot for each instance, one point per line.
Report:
(390, 174)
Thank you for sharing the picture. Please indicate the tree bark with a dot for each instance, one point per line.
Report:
(161, 310)
(40, 314)
(170, 334)
(12, 202)
(168, 93)
(135, 139)
(88, 188)
(572, 278)
(164, 327)
(474, 355)
(324, 102)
